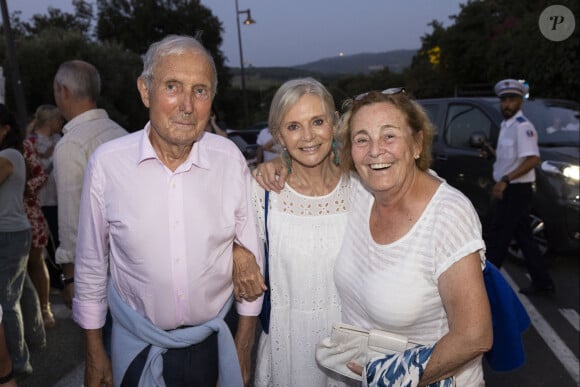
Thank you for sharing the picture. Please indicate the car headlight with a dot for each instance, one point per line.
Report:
(572, 172)
(567, 170)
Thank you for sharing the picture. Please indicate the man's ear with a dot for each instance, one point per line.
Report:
(64, 92)
(143, 91)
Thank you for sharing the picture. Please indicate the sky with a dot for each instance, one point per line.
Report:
(295, 32)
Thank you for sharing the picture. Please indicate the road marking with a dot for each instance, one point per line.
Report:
(558, 347)
(572, 316)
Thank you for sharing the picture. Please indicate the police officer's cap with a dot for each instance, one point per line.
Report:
(509, 87)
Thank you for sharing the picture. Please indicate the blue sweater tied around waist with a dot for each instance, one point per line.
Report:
(133, 332)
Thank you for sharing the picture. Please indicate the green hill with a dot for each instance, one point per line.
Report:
(326, 69)
(364, 63)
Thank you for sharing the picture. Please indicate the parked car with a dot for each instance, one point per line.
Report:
(461, 126)
(245, 139)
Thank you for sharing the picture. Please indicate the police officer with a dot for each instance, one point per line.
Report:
(516, 155)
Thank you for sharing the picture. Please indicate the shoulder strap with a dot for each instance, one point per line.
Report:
(266, 306)
(266, 250)
(266, 197)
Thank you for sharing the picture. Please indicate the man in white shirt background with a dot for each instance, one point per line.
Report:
(77, 86)
(517, 155)
(268, 148)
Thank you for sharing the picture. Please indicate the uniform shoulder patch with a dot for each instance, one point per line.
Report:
(530, 133)
(521, 119)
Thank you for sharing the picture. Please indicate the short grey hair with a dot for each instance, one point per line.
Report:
(174, 45)
(81, 78)
(290, 92)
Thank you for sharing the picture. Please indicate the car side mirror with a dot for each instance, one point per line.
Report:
(477, 140)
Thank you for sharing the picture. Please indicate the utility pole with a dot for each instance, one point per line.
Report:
(248, 21)
(13, 70)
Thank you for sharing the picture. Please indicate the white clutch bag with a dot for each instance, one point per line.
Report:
(349, 343)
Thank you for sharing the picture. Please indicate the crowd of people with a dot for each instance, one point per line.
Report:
(165, 237)
(40, 217)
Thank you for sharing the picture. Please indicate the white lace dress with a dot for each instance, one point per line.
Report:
(305, 236)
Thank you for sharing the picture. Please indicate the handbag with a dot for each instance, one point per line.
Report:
(266, 305)
(349, 343)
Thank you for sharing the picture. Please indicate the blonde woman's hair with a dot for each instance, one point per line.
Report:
(287, 96)
(43, 114)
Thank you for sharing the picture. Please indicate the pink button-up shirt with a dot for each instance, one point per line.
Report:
(166, 237)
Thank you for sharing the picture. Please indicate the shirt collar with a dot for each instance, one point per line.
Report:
(198, 156)
(512, 120)
(89, 115)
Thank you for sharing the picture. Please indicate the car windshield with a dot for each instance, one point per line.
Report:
(556, 122)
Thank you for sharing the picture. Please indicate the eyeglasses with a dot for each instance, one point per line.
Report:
(347, 104)
(389, 91)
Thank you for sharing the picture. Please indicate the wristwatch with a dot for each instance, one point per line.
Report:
(65, 281)
(505, 179)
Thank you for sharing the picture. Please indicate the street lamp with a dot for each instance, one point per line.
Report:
(248, 21)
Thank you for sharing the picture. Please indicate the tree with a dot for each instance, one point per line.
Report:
(80, 21)
(39, 57)
(519, 50)
(495, 39)
(425, 77)
(47, 40)
(351, 86)
(137, 23)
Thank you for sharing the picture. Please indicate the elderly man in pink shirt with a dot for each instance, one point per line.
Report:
(160, 211)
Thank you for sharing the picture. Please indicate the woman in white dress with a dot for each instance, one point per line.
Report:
(412, 257)
(306, 222)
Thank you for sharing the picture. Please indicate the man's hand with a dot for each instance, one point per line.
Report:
(244, 343)
(248, 280)
(271, 175)
(67, 294)
(68, 291)
(529, 163)
(98, 369)
(498, 188)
